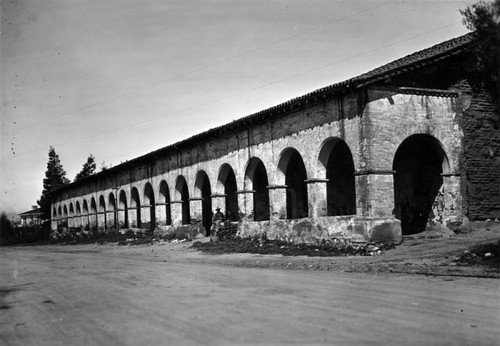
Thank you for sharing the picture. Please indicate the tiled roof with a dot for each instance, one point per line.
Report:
(408, 63)
(32, 212)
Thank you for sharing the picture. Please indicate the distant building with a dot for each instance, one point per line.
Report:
(31, 217)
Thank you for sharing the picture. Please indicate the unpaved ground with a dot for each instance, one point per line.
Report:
(424, 253)
(169, 294)
(62, 295)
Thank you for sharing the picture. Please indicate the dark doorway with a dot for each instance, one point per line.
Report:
(165, 195)
(136, 204)
(123, 206)
(149, 199)
(296, 191)
(203, 184)
(418, 163)
(341, 185)
(257, 174)
(228, 179)
(112, 207)
(182, 188)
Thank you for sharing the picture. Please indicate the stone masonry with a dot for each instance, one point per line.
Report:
(369, 159)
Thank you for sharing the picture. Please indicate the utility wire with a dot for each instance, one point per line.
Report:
(199, 68)
(250, 89)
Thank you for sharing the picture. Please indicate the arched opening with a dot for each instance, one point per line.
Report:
(78, 210)
(165, 198)
(256, 175)
(78, 213)
(228, 180)
(86, 220)
(71, 210)
(292, 165)
(65, 215)
(54, 212)
(93, 213)
(135, 203)
(336, 157)
(182, 189)
(59, 211)
(123, 206)
(85, 207)
(202, 184)
(101, 219)
(418, 163)
(112, 207)
(149, 200)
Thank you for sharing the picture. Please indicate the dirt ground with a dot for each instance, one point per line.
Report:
(170, 294)
(426, 253)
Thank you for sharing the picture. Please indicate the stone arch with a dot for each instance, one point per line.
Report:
(419, 163)
(135, 204)
(182, 194)
(59, 211)
(85, 212)
(102, 204)
(123, 206)
(149, 201)
(101, 217)
(165, 198)
(203, 189)
(78, 213)
(256, 180)
(65, 211)
(226, 183)
(93, 213)
(71, 209)
(292, 171)
(93, 206)
(336, 161)
(112, 207)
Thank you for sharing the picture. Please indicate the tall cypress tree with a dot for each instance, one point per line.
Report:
(55, 177)
(87, 169)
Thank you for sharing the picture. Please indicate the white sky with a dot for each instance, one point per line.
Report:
(121, 78)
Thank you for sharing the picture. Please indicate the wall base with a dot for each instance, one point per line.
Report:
(314, 230)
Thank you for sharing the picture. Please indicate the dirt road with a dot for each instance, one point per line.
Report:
(60, 295)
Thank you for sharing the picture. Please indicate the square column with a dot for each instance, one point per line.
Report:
(161, 213)
(245, 204)
(316, 195)
(77, 221)
(146, 216)
(71, 222)
(122, 218)
(132, 217)
(93, 221)
(176, 212)
(277, 201)
(195, 206)
(85, 221)
(452, 188)
(110, 219)
(375, 193)
(101, 220)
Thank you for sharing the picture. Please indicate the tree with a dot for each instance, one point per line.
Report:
(87, 169)
(55, 177)
(483, 19)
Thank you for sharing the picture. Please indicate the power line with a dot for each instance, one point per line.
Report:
(250, 89)
(200, 68)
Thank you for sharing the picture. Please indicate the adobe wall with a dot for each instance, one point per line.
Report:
(373, 123)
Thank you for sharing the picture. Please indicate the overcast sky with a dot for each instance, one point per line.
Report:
(121, 78)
